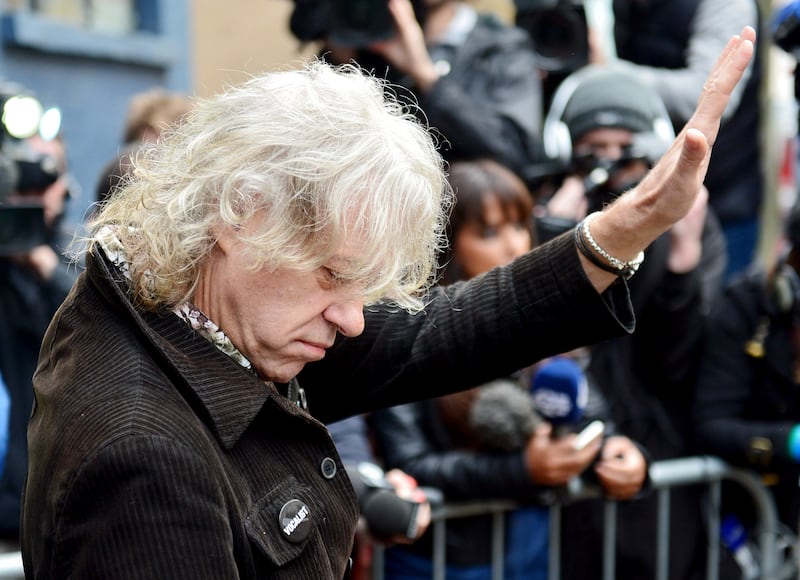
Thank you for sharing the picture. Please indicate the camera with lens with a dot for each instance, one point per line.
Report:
(558, 30)
(359, 23)
(603, 182)
(601, 176)
(346, 23)
(22, 170)
(387, 515)
(559, 33)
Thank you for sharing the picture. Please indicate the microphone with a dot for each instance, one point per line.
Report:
(503, 417)
(387, 514)
(560, 392)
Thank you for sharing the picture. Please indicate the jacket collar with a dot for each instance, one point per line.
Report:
(223, 393)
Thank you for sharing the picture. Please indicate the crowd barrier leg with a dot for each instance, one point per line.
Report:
(609, 540)
(554, 545)
(662, 535)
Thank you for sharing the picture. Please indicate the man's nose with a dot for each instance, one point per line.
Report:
(347, 316)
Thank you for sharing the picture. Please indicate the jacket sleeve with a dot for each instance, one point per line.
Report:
(470, 333)
(405, 441)
(667, 348)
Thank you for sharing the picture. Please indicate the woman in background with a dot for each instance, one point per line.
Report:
(488, 442)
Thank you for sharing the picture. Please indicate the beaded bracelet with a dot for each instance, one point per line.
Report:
(587, 246)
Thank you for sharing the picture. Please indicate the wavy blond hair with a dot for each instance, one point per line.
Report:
(327, 154)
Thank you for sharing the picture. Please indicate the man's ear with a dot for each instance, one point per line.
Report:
(227, 237)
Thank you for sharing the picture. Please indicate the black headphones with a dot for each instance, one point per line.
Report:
(556, 138)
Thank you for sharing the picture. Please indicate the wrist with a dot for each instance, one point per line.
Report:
(601, 257)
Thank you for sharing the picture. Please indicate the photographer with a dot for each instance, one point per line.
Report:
(36, 276)
(608, 129)
(476, 79)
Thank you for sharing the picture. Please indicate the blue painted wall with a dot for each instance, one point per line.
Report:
(91, 77)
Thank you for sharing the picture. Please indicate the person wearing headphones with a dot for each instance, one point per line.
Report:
(606, 129)
(747, 404)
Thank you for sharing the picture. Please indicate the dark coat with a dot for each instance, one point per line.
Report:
(489, 102)
(27, 303)
(742, 398)
(155, 455)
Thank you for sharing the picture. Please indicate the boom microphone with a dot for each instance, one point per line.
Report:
(503, 416)
(560, 393)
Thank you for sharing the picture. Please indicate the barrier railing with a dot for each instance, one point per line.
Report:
(665, 475)
(774, 562)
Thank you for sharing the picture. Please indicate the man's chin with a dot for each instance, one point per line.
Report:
(284, 374)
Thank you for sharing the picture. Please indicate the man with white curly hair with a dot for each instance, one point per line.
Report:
(290, 224)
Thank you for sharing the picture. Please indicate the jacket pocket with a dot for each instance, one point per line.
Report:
(281, 523)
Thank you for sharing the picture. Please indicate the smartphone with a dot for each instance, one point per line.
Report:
(591, 432)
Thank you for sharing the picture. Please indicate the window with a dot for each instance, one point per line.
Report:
(105, 16)
(123, 30)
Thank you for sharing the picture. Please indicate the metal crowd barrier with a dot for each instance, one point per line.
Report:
(665, 475)
(774, 563)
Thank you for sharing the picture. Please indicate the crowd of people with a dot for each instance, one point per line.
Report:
(357, 276)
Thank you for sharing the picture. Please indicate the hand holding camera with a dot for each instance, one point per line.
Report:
(394, 508)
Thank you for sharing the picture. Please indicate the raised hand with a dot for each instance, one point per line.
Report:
(406, 50)
(669, 190)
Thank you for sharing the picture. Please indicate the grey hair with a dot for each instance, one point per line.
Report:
(327, 155)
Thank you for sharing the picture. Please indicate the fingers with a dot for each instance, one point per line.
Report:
(623, 469)
(555, 461)
(402, 11)
(727, 72)
(404, 485)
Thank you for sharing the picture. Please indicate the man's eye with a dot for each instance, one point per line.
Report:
(333, 277)
(489, 232)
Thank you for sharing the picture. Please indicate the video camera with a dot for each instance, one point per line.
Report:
(387, 515)
(558, 30)
(347, 23)
(559, 33)
(22, 170)
(598, 176)
(600, 173)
